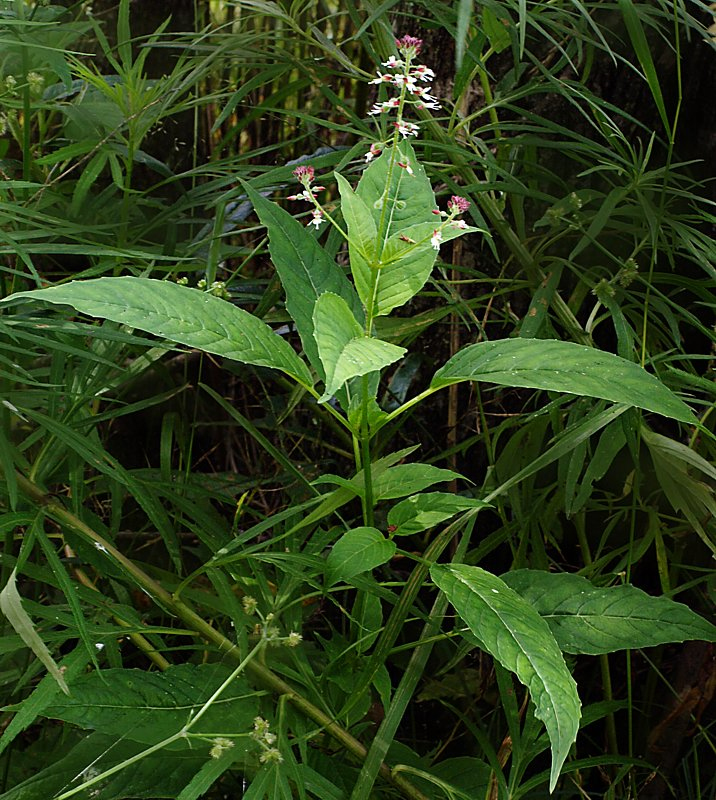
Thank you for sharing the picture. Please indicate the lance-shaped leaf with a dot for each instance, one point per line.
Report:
(362, 239)
(343, 347)
(304, 267)
(187, 316)
(514, 633)
(15, 614)
(562, 367)
(593, 620)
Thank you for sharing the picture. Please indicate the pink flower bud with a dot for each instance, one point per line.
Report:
(304, 174)
(457, 204)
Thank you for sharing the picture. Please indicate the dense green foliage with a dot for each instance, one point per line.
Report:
(428, 540)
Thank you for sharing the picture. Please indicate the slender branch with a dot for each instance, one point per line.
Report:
(258, 671)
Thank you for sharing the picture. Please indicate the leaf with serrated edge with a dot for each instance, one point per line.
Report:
(514, 634)
(562, 367)
(345, 351)
(594, 620)
(187, 316)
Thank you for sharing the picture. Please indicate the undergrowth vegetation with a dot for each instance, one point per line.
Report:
(357, 401)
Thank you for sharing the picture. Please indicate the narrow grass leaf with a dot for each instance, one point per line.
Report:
(11, 607)
(513, 633)
(643, 53)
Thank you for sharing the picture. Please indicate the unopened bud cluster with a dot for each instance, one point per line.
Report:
(266, 740)
(267, 629)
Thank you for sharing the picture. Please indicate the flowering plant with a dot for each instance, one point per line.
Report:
(394, 231)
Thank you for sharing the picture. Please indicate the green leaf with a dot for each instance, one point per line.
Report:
(187, 316)
(305, 269)
(343, 347)
(148, 707)
(358, 550)
(406, 262)
(161, 775)
(406, 479)
(593, 620)
(15, 614)
(687, 494)
(43, 694)
(643, 52)
(496, 29)
(562, 367)
(514, 634)
(423, 511)
(362, 238)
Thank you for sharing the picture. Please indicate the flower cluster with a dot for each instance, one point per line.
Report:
(305, 176)
(456, 205)
(408, 78)
(266, 740)
(267, 629)
(219, 746)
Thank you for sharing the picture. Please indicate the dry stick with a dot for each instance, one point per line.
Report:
(261, 673)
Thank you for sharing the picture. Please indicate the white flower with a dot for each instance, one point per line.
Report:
(383, 78)
(435, 239)
(423, 73)
(394, 63)
(406, 166)
(293, 639)
(407, 129)
(375, 150)
(317, 220)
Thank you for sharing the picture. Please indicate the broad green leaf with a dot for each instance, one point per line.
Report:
(358, 550)
(15, 614)
(423, 511)
(406, 261)
(343, 347)
(497, 30)
(588, 619)
(148, 707)
(409, 199)
(43, 694)
(160, 775)
(187, 316)
(304, 267)
(362, 238)
(562, 367)
(513, 633)
(405, 479)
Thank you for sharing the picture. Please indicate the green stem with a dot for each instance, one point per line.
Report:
(368, 502)
(406, 688)
(258, 671)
